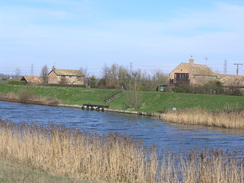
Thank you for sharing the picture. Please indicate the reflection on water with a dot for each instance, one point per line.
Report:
(151, 131)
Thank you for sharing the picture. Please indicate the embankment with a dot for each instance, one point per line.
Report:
(212, 110)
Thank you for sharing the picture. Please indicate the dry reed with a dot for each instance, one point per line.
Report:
(29, 98)
(198, 116)
(112, 157)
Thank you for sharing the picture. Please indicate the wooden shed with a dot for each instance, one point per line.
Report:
(191, 73)
(62, 76)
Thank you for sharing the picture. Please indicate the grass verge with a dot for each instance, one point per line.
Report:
(15, 173)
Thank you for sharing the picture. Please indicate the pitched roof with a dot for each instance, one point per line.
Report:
(232, 80)
(32, 79)
(63, 72)
(198, 69)
(220, 76)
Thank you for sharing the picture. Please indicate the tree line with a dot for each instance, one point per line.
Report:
(120, 77)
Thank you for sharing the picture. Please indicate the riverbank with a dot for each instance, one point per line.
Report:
(197, 116)
(212, 110)
(16, 173)
(149, 101)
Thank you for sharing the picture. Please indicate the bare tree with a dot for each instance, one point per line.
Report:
(108, 74)
(115, 76)
(84, 72)
(18, 72)
(44, 74)
(133, 97)
(120, 77)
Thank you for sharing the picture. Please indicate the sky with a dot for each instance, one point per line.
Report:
(138, 34)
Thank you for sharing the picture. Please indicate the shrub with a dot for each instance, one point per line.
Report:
(26, 94)
(212, 87)
(185, 88)
(13, 82)
(234, 91)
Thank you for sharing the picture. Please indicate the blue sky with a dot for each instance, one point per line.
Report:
(150, 35)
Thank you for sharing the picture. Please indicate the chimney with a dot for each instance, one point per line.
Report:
(53, 68)
(191, 60)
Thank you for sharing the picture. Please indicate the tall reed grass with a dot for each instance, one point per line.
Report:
(198, 116)
(112, 157)
(26, 96)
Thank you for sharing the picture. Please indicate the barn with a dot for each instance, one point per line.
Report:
(232, 81)
(32, 79)
(69, 77)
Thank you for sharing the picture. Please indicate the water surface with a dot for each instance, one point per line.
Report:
(164, 135)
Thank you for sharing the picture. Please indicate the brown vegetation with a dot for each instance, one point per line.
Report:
(27, 96)
(120, 77)
(112, 157)
(11, 172)
(198, 116)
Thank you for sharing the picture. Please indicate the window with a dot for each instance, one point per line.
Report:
(182, 76)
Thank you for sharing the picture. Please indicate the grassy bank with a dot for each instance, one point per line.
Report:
(149, 101)
(16, 173)
(112, 157)
(212, 110)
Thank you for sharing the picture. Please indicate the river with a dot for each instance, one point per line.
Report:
(164, 135)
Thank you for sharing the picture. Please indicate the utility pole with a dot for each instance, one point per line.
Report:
(237, 67)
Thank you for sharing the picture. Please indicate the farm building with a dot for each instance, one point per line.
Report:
(230, 81)
(32, 79)
(191, 73)
(61, 76)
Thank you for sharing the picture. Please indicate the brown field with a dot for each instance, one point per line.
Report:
(112, 157)
(198, 116)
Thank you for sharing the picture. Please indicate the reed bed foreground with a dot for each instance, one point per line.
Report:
(112, 157)
(198, 116)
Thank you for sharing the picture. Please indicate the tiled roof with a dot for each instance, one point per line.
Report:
(232, 80)
(33, 79)
(198, 69)
(63, 72)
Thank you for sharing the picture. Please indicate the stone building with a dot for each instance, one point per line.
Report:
(191, 73)
(69, 77)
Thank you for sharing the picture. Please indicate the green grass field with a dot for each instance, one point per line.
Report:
(150, 101)
(3, 81)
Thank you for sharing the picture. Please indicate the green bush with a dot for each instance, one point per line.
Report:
(213, 87)
(13, 82)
